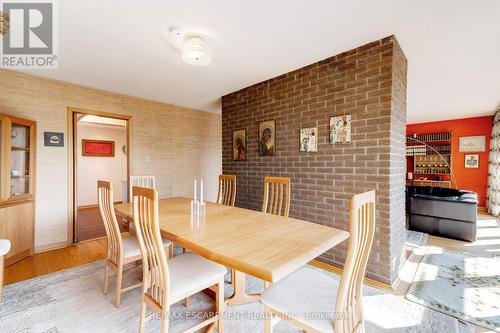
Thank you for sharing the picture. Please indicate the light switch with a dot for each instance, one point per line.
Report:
(146, 158)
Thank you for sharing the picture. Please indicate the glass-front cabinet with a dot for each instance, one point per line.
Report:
(17, 185)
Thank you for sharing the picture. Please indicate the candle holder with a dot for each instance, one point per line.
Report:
(202, 208)
(195, 208)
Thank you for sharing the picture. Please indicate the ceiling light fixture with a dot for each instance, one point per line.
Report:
(196, 51)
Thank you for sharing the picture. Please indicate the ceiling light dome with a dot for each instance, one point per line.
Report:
(196, 51)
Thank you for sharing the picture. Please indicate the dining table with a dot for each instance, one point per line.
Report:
(266, 246)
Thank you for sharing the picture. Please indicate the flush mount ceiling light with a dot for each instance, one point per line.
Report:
(196, 51)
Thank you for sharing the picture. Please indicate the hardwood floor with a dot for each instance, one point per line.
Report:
(90, 225)
(56, 260)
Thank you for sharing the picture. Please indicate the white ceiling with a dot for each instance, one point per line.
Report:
(452, 46)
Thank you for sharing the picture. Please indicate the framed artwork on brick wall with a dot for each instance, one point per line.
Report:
(267, 138)
(309, 139)
(340, 129)
(240, 145)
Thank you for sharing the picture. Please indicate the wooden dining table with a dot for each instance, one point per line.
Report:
(266, 246)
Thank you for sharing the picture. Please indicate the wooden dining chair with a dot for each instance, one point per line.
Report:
(308, 291)
(168, 282)
(120, 250)
(226, 194)
(148, 181)
(4, 249)
(276, 196)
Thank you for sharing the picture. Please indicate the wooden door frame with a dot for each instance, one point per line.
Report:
(72, 164)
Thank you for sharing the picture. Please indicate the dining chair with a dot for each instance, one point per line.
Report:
(168, 282)
(276, 193)
(226, 194)
(120, 250)
(148, 181)
(4, 249)
(317, 303)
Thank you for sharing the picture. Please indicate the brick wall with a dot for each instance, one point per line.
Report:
(368, 83)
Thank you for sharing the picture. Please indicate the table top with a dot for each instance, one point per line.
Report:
(263, 245)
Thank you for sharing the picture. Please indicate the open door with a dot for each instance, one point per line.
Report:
(100, 151)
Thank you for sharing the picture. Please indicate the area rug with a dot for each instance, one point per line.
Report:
(415, 238)
(72, 301)
(461, 285)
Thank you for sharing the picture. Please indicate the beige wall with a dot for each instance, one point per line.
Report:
(182, 144)
(94, 168)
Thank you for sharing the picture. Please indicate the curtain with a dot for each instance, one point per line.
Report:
(494, 168)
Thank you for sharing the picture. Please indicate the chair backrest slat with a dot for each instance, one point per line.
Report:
(276, 193)
(154, 257)
(362, 230)
(148, 181)
(226, 194)
(107, 210)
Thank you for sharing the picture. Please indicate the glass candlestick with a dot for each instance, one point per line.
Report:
(195, 208)
(201, 208)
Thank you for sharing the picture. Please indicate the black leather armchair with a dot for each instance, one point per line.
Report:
(442, 211)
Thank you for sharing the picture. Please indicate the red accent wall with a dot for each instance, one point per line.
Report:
(466, 179)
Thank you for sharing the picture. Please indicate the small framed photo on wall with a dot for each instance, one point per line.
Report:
(267, 138)
(340, 129)
(309, 139)
(471, 161)
(240, 145)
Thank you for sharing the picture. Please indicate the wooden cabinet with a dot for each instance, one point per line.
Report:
(17, 185)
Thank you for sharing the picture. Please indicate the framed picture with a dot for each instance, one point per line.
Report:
(340, 129)
(98, 148)
(309, 139)
(53, 139)
(468, 144)
(267, 138)
(240, 145)
(471, 161)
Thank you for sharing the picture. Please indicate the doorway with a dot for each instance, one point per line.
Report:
(100, 151)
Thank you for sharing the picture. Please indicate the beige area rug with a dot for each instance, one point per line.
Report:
(460, 285)
(72, 301)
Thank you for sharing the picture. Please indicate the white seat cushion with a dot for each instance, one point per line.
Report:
(189, 272)
(4, 246)
(131, 246)
(307, 295)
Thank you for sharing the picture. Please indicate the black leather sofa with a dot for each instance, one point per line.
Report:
(442, 211)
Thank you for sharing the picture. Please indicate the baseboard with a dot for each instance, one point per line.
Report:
(50, 247)
(482, 209)
(368, 281)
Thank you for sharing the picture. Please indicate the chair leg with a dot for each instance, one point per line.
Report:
(170, 251)
(1, 276)
(119, 275)
(143, 315)
(268, 320)
(164, 320)
(220, 306)
(106, 278)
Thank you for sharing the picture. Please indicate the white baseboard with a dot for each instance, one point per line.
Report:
(50, 247)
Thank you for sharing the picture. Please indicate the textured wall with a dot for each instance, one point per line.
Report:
(182, 144)
(368, 83)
